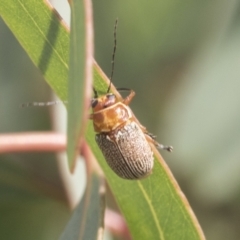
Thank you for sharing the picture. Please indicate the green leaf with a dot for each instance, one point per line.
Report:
(154, 208)
(156, 202)
(41, 33)
(80, 77)
(88, 217)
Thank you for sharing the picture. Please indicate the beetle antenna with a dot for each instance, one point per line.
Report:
(114, 52)
(95, 93)
(41, 104)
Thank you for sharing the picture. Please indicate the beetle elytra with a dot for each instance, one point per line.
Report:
(124, 142)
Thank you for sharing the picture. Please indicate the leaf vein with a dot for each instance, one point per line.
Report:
(158, 225)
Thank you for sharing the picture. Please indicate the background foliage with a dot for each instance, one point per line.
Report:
(182, 60)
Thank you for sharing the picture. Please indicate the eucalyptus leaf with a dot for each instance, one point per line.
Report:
(155, 208)
(88, 217)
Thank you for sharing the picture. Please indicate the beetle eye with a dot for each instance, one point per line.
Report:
(94, 102)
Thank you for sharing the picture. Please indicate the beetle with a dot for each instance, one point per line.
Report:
(124, 142)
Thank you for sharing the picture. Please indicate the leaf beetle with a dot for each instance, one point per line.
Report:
(124, 142)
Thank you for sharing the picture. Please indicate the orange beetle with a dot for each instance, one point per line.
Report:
(123, 141)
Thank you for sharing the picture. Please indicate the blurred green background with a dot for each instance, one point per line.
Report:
(182, 58)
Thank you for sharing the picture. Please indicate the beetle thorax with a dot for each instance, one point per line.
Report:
(108, 119)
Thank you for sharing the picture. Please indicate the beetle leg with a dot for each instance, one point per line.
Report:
(156, 144)
(149, 136)
(144, 129)
(129, 98)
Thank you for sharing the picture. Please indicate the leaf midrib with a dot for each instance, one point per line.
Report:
(151, 207)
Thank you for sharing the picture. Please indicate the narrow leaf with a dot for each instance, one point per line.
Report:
(156, 202)
(87, 219)
(80, 74)
(40, 31)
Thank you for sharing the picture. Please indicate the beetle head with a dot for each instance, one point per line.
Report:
(102, 102)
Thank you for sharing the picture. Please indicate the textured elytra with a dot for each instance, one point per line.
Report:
(127, 151)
